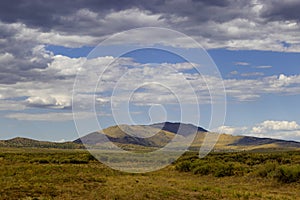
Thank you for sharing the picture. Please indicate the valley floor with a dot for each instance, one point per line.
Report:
(74, 174)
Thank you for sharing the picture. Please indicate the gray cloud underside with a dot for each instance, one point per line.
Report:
(27, 26)
(232, 24)
(51, 15)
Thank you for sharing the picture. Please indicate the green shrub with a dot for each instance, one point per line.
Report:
(43, 161)
(240, 169)
(184, 166)
(267, 169)
(224, 170)
(202, 169)
(277, 166)
(78, 161)
(286, 161)
(90, 157)
(288, 174)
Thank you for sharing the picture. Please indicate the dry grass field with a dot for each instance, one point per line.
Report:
(75, 174)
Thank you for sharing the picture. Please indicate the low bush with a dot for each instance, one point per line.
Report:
(203, 169)
(283, 167)
(288, 174)
(184, 166)
(218, 169)
(225, 169)
(267, 169)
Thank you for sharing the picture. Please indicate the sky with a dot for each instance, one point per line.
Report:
(254, 45)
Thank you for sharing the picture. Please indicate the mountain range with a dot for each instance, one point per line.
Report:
(155, 136)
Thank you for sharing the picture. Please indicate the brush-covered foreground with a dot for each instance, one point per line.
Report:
(75, 174)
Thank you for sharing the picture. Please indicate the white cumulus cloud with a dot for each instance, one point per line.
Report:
(286, 130)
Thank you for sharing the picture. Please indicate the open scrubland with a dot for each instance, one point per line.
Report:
(35, 173)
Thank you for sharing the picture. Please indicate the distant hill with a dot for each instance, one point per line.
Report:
(141, 137)
(118, 135)
(25, 142)
(166, 131)
(228, 142)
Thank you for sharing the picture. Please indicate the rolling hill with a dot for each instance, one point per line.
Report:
(167, 131)
(25, 142)
(155, 135)
(137, 137)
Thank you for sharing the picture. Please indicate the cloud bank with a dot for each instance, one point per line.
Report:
(287, 130)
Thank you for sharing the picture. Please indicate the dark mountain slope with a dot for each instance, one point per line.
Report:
(181, 128)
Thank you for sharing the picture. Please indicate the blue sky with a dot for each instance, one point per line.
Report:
(275, 107)
(255, 46)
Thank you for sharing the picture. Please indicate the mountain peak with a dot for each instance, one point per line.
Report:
(178, 127)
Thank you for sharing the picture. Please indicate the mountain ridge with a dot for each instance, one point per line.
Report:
(129, 136)
(225, 143)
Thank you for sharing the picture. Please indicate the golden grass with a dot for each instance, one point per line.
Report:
(22, 176)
